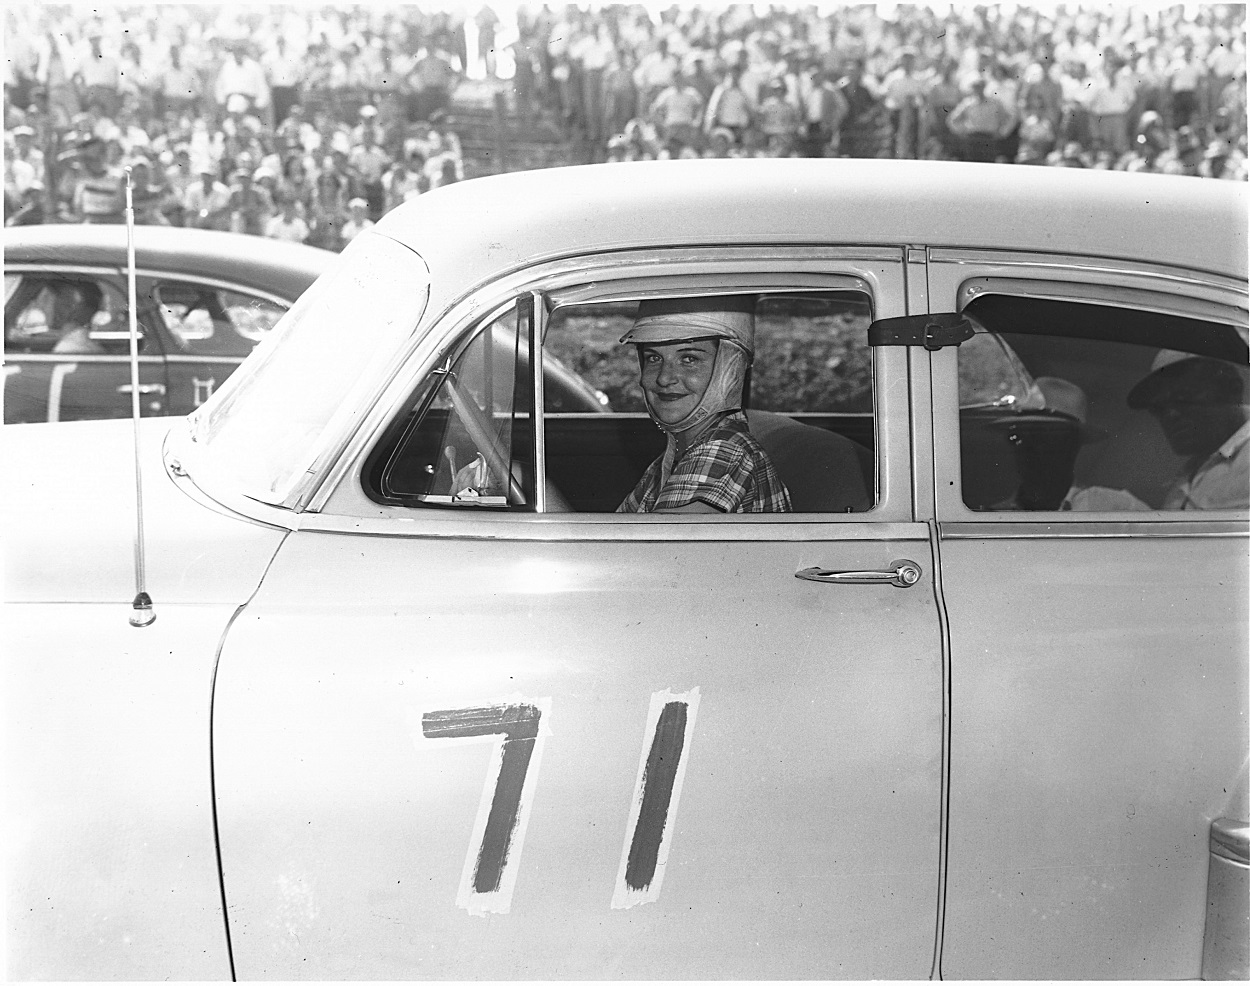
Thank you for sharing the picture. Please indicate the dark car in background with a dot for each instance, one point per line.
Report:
(204, 299)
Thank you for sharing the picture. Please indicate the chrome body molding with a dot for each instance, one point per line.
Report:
(1160, 525)
(499, 526)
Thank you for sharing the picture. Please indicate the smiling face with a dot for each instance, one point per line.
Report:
(675, 376)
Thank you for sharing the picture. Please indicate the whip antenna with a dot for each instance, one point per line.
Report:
(143, 614)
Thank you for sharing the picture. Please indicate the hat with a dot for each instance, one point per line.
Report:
(23, 131)
(675, 319)
(1178, 376)
(1064, 397)
(363, 203)
(368, 111)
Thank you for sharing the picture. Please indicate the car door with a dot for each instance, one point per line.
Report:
(44, 381)
(209, 327)
(469, 730)
(1098, 633)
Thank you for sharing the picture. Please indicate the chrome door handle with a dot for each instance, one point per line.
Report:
(144, 388)
(902, 573)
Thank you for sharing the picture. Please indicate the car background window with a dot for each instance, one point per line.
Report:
(1046, 424)
(207, 320)
(31, 322)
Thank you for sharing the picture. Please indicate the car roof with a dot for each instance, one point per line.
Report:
(522, 217)
(284, 269)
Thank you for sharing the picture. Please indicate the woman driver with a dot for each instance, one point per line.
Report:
(694, 354)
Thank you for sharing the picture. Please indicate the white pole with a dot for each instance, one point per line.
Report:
(143, 614)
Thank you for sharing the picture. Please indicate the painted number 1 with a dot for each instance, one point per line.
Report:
(490, 869)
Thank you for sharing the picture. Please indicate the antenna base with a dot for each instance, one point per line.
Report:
(143, 615)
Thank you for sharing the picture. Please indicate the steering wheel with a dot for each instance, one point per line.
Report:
(487, 442)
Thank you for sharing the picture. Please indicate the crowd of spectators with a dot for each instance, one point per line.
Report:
(309, 124)
(1128, 87)
(286, 122)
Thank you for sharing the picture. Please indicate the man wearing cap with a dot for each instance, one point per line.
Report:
(1198, 402)
(98, 195)
(693, 355)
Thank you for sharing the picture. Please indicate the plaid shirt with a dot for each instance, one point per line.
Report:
(726, 469)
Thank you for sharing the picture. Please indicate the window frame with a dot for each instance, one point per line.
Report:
(341, 503)
(957, 278)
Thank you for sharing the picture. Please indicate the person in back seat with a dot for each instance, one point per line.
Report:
(693, 356)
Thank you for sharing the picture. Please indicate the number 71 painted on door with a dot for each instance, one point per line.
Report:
(516, 729)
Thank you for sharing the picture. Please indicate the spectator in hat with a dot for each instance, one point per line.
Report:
(677, 113)
(99, 75)
(97, 195)
(207, 204)
(904, 89)
(1198, 402)
(288, 224)
(284, 75)
(693, 356)
(250, 204)
(25, 151)
(146, 193)
(778, 120)
(824, 109)
(357, 219)
(180, 88)
(241, 75)
(981, 121)
(729, 107)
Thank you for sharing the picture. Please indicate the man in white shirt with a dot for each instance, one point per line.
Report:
(1198, 402)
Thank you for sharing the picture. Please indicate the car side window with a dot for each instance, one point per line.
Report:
(208, 320)
(1067, 406)
(809, 402)
(67, 314)
(468, 441)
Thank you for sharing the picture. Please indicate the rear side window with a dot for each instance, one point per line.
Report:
(1067, 406)
(66, 314)
(207, 320)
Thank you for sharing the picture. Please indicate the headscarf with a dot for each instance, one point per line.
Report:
(730, 320)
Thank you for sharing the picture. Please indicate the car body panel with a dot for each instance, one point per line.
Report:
(111, 866)
(1093, 761)
(329, 793)
(57, 550)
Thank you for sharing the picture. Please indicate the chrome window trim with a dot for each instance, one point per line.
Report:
(564, 527)
(1160, 524)
(730, 263)
(1047, 265)
(77, 358)
(188, 358)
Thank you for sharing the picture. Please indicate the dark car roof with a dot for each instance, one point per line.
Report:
(283, 269)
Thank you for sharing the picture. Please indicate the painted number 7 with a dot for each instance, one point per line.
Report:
(490, 869)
